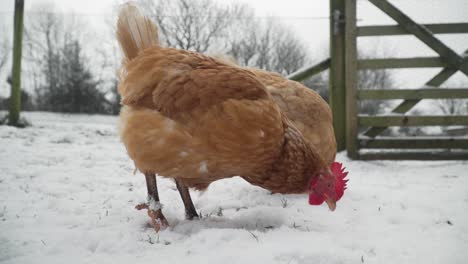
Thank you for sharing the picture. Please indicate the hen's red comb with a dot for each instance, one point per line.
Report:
(339, 172)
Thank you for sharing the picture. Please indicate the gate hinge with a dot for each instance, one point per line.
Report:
(338, 18)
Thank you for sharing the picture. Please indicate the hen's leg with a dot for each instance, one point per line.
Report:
(190, 211)
(154, 206)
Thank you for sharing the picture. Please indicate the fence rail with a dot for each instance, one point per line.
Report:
(414, 143)
(385, 121)
(395, 63)
(414, 155)
(308, 72)
(448, 28)
(436, 93)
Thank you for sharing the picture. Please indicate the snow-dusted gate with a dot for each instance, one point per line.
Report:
(364, 145)
(344, 93)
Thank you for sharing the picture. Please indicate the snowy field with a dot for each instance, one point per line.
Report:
(67, 195)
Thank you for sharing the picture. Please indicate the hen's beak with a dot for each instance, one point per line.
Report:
(331, 204)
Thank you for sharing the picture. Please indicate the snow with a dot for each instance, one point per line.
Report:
(67, 195)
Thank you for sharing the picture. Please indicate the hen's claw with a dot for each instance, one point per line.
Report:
(141, 206)
(158, 221)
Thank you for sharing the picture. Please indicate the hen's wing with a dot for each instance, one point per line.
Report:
(210, 120)
(188, 116)
(206, 84)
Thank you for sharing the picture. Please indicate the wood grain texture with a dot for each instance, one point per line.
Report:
(447, 28)
(402, 120)
(434, 93)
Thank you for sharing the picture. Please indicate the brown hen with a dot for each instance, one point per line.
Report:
(196, 119)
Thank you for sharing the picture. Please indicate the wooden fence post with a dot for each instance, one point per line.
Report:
(15, 97)
(337, 71)
(351, 79)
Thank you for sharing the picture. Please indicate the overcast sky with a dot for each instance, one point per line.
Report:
(308, 18)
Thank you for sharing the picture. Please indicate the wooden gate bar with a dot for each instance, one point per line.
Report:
(308, 72)
(416, 155)
(415, 142)
(446, 28)
(394, 63)
(406, 105)
(389, 94)
(423, 34)
(436, 120)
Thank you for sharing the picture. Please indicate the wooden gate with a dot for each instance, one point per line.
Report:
(361, 145)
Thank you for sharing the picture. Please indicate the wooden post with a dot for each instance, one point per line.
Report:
(15, 97)
(351, 79)
(337, 71)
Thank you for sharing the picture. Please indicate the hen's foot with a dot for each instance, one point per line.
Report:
(191, 215)
(158, 220)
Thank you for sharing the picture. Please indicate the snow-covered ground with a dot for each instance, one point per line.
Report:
(67, 195)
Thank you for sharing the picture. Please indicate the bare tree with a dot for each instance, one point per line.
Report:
(453, 106)
(191, 25)
(205, 26)
(289, 53)
(267, 45)
(4, 52)
(110, 58)
(43, 36)
(57, 65)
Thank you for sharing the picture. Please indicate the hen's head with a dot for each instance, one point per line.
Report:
(328, 186)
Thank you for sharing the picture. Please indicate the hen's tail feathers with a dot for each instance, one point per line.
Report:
(135, 32)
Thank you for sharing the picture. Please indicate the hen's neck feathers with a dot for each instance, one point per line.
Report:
(296, 165)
